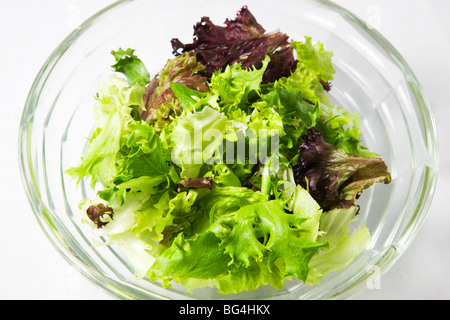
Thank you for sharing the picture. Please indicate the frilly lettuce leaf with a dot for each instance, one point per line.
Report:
(198, 258)
(131, 66)
(197, 138)
(315, 58)
(335, 178)
(344, 244)
(294, 114)
(305, 206)
(137, 251)
(161, 105)
(243, 40)
(280, 238)
(153, 218)
(234, 84)
(224, 200)
(313, 64)
(112, 116)
(223, 175)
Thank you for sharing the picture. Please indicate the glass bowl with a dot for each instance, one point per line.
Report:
(371, 79)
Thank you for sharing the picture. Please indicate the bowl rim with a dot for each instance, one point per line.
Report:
(123, 290)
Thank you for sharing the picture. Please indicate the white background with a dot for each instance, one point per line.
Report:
(30, 268)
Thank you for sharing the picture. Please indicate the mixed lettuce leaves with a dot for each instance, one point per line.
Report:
(229, 168)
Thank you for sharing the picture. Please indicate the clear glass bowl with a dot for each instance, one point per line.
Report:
(372, 79)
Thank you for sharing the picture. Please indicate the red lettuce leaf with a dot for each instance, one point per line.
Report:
(335, 178)
(242, 40)
(197, 183)
(160, 101)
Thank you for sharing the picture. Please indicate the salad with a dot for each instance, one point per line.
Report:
(230, 168)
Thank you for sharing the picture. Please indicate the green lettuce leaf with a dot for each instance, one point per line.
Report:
(197, 138)
(295, 115)
(198, 258)
(131, 66)
(142, 154)
(153, 218)
(315, 58)
(224, 200)
(234, 84)
(313, 67)
(343, 244)
(305, 206)
(223, 175)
